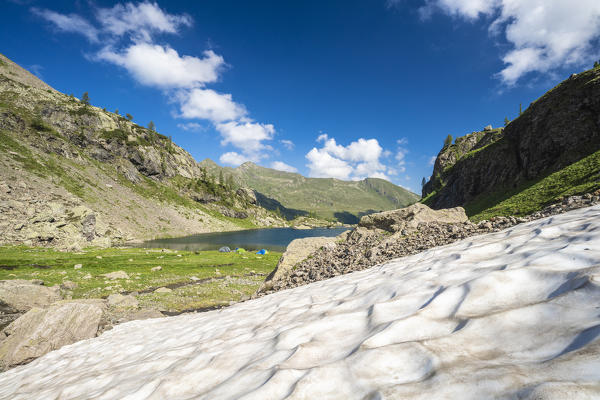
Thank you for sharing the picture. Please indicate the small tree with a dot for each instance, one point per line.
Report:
(229, 183)
(423, 182)
(520, 109)
(117, 111)
(151, 126)
(129, 116)
(448, 141)
(221, 179)
(597, 64)
(85, 99)
(506, 121)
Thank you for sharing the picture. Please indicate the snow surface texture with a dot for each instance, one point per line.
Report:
(514, 314)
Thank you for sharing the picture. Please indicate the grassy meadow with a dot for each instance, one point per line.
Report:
(197, 279)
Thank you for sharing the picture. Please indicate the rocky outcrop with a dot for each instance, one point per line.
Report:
(247, 194)
(40, 330)
(560, 128)
(295, 252)
(365, 246)
(409, 218)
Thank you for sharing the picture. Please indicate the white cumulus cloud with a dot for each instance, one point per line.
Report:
(544, 34)
(127, 32)
(163, 67)
(358, 160)
(210, 105)
(69, 23)
(233, 158)
(281, 166)
(248, 137)
(139, 20)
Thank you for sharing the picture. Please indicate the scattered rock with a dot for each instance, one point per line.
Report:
(68, 285)
(488, 128)
(157, 268)
(118, 300)
(78, 266)
(163, 290)
(116, 275)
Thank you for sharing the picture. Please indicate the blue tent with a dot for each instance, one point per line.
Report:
(262, 251)
(224, 249)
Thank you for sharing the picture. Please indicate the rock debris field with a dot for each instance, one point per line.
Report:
(511, 314)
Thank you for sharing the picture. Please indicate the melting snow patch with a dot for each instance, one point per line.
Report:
(514, 314)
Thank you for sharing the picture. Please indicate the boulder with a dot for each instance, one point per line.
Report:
(22, 295)
(488, 128)
(116, 275)
(296, 251)
(40, 331)
(163, 290)
(118, 300)
(157, 268)
(410, 217)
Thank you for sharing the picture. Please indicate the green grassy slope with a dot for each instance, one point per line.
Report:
(345, 201)
(578, 178)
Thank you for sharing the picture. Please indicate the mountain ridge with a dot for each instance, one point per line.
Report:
(331, 198)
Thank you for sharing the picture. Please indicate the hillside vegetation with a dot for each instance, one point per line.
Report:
(72, 174)
(324, 197)
(547, 153)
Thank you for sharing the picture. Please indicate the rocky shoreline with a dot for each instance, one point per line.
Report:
(365, 247)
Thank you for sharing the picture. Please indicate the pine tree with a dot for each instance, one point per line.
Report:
(423, 182)
(151, 126)
(520, 109)
(129, 116)
(117, 111)
(221, 179)
(596, 64)
(506, 121)
(448, 141)
(85, 99)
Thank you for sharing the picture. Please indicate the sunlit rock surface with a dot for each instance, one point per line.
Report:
(514, 314)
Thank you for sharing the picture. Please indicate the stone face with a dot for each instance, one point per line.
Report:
(247, 194)
(40, 331)
(23, 295)
(555, 131)
(410, 217)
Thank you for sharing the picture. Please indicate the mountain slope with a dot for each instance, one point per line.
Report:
(73, 174)
(345, 201)
(549, 152)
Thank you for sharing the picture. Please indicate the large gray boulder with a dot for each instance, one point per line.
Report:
(410, 217)
(298, 250)
(40, 331)
(22, 295)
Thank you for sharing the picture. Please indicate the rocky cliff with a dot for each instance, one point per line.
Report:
(73, 174)
(557, 130)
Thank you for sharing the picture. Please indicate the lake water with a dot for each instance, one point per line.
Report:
(275, 239)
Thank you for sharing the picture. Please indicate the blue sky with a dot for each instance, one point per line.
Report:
(346, 89)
